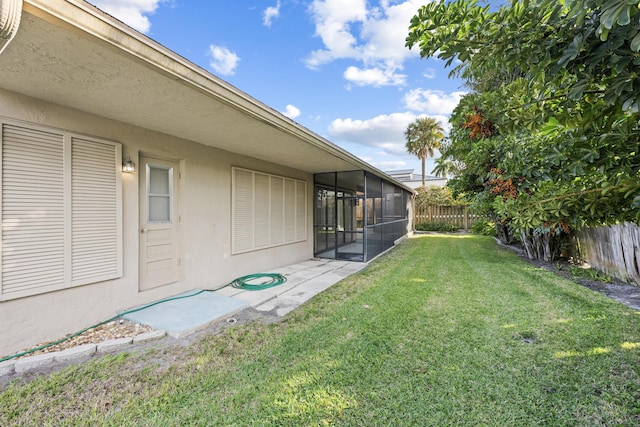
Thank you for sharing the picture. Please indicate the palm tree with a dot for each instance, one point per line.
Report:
(423, 137)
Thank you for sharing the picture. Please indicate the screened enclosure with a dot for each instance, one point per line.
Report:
(358, 215)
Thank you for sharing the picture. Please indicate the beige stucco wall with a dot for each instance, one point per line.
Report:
(205, 204)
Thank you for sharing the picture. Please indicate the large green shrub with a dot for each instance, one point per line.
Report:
(436, 196)
(485, 227)
(436, 226)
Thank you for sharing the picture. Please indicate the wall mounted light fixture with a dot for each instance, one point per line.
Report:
(128, 166)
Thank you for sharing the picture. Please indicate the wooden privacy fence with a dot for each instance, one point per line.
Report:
(614, 250)
(460, 216)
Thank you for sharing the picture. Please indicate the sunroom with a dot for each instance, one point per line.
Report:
(358, 215)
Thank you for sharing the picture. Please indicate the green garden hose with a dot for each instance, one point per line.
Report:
(244, 282)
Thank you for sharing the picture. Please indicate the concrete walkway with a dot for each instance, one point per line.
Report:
(197, 309)
(304, 280)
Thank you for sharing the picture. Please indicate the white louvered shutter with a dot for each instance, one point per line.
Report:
(242, 210)
(277, 210)
(301, 210)
(267, 210)
(289, 210)
(95, 206)
(261, 217)
(61, 211)
(33, 224)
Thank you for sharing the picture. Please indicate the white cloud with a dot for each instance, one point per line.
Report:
(270, 13)
(373, 36)
(291, 111)
(391, 165)
(333, 20)
(373, 77)
(223, 61)
(386, 29)
(429, 73)
(131, 12)
(432, 101)
(384, 132)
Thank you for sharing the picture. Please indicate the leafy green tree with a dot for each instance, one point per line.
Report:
(433, 195)
(423, 137)
(560, 83)
(473, 151)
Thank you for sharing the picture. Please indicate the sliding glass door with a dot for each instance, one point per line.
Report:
(349, 236)
(324, 222)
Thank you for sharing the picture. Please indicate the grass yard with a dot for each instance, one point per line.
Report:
(444, 330)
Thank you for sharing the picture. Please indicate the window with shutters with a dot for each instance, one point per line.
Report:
(267, 210)
(61, 216)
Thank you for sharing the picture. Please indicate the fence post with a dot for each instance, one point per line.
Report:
(466, 218)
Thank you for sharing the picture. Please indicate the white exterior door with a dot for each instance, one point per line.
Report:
(159, 223)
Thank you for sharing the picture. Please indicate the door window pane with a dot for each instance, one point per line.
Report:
(158, 180)
(159, 194)
(159, 209)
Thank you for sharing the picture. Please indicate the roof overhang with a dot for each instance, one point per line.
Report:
(70, 53)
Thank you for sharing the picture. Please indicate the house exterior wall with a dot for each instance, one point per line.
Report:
(205, 209)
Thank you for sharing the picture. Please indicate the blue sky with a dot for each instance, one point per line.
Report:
(337, 67)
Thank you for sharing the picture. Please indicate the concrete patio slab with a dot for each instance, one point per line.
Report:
(188, 313)
(304, 280)
(309, 263)
(254, 298)
(325, 281)
(195, 310)
(301, 295)
(308, 274)
(279, 306)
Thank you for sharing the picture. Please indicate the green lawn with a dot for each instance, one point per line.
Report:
(444, 330)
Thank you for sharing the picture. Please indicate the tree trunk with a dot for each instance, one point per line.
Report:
(423, 169)
(503, 231)
(539, 245)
